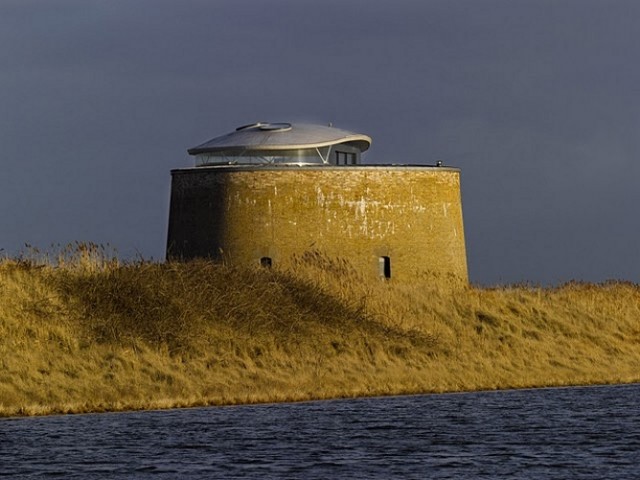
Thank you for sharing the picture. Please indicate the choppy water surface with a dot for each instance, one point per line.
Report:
(557, 433)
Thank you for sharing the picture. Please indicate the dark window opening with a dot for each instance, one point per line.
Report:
(266, 262)
(345, 158)
(384, 266)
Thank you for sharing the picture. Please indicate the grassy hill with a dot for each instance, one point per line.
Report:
(84, 332)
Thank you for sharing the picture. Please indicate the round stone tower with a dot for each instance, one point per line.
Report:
(271, 191)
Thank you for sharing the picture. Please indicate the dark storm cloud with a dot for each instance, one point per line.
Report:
(536, 101)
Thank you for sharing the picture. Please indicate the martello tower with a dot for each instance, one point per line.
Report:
(269, 191)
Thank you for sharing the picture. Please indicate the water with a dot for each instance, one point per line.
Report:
(555, 433)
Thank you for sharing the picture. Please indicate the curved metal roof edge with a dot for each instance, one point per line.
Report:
(352, 139)
(343, 136)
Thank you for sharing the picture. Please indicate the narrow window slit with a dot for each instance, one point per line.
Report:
(384, 266)
(266, 262)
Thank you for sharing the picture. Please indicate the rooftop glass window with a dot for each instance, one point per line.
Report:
(261, 157)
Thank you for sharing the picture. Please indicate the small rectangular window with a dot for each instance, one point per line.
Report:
(266, 262)
(345, 158)
(384, 266)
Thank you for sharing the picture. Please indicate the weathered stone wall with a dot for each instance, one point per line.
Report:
(413, 215)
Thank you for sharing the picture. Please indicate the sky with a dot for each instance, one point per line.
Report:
(536, 101)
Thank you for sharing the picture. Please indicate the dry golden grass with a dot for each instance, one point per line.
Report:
(82, 332)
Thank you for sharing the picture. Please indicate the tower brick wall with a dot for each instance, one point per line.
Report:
(409, 216)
